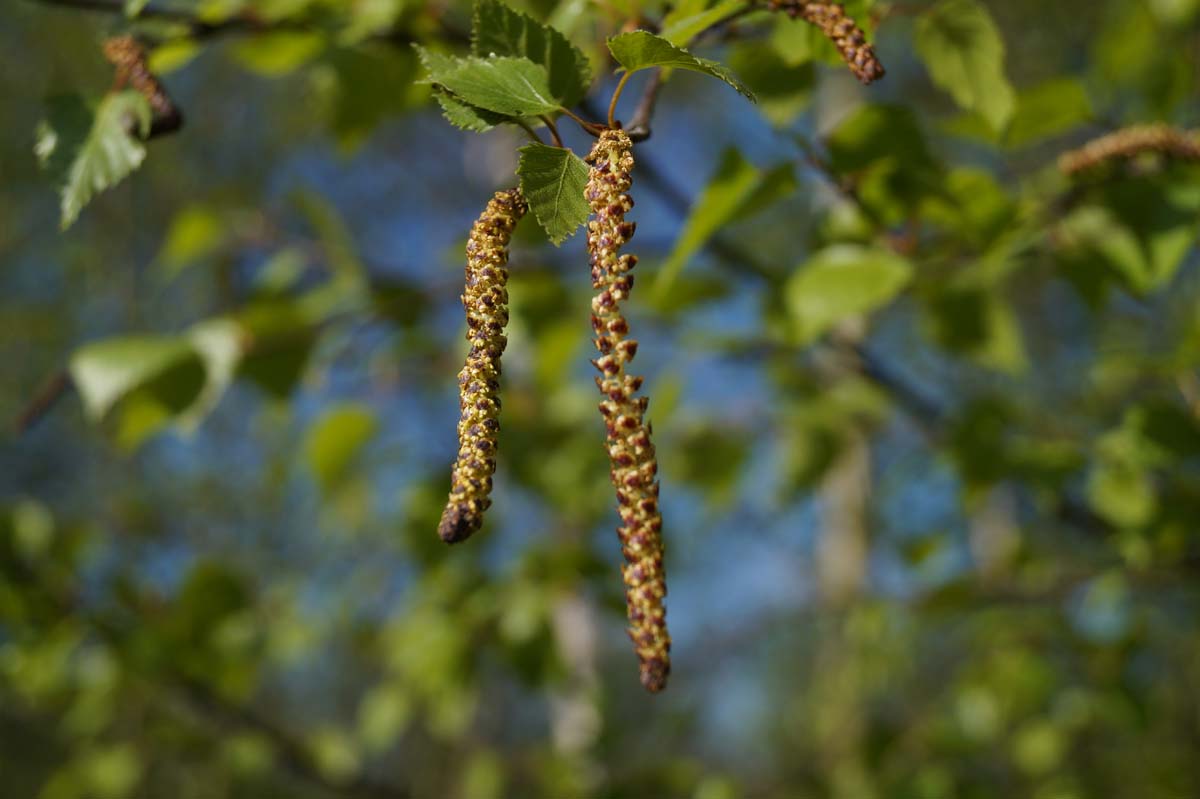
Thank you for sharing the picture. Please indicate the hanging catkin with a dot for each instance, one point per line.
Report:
(631, 453)
(485, 300)
(841, 29)
(1129, 143)
(129, 58)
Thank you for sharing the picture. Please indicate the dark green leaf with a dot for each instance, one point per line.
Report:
(500, 31)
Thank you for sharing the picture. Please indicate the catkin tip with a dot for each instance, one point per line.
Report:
(841, 29)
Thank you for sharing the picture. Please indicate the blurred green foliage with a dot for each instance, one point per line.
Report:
(928, 412)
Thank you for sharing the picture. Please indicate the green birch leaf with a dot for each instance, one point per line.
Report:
(103, 158)
(684, 23)
(106, 371)
(960, 44)
(553, 180)
(457, 111)
(500, 31)
(464, 115)
(335, 440)
(840, 282)
(642, 49)
(510, 86)
(437, 64)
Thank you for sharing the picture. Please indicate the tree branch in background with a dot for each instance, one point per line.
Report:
(54, 389)
(639, 127)
(246, 22)
(1129, 143)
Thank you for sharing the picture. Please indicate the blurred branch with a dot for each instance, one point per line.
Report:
(247, 22)
(639, 126)
(54, 389)
(295, 757)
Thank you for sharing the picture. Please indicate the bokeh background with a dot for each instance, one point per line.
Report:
(928, 417)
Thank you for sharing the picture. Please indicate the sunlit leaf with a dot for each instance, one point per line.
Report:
(641, 49)
(501, 31)
(553, 180)
(90, 164)
(961, 45)
(841, 282)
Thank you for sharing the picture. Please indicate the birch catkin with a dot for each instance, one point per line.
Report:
(1129, 143)
(841, 29)
(631, 453)
(129, 58)
(485, 300)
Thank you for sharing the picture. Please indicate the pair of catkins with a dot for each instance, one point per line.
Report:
(634, 467)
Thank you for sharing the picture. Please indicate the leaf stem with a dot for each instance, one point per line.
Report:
(612, 105)
(558, 142)
(532, 133)
(591, 127)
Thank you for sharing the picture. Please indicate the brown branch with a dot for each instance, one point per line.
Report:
(639, 126)
(295, 757)
(54, 389)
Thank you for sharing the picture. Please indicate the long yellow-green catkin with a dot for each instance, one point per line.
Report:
(1129, 143)
(485, 300)
(634, 468)
(841, 29)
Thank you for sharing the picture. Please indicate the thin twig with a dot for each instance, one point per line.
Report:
(54, 389)
(558, 142)
(639, 126)
(525, 127)
(593, 128)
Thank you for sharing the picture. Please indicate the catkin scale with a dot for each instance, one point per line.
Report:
(1129, 143)
(841, 29)
(485, 300)
(129, 58)
(634, 467)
